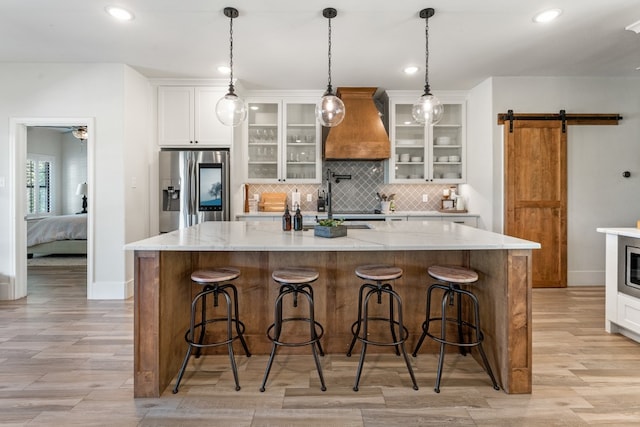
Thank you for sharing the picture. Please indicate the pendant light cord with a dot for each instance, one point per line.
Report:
(427, 89)
(231, 88)
(329, 89)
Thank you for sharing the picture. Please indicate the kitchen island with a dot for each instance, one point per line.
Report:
(163, 290)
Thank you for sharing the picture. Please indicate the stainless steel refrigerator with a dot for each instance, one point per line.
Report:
(194, 187)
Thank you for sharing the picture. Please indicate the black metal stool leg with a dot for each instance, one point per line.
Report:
(277, 326)
(358, 322)
(365, 332)
(182, 369)
(391, 318)
(232, 358)
(314, 337)
(443, 335)
(236, 317)
(462, 349)
(203, 328)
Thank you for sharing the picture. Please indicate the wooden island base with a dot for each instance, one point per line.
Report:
(163, 294)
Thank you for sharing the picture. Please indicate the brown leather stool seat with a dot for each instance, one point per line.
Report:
(452, 277)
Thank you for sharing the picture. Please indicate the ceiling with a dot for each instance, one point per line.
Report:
(282, 44)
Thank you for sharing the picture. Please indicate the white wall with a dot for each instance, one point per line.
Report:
(479, 191)
(74, 172)
(597, 155)
(81, 90)
(138, 159)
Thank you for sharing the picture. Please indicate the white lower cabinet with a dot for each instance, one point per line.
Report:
(458, 219)
(629, 313)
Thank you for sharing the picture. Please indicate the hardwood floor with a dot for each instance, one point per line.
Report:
(68, 361)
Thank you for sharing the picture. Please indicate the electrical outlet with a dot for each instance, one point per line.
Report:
(256, 197)
(425, 198)
(309, 198)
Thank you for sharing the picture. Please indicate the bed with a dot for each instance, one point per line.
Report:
(64, 234)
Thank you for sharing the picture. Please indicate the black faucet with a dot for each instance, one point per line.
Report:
(328, 200)
(337, 177)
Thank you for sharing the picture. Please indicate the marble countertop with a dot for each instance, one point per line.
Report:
(383, 235)
(629, 232)
(348, 215)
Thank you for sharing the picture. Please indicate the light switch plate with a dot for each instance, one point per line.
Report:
(425, 198)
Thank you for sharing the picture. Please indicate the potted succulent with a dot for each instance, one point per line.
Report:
(330, 228)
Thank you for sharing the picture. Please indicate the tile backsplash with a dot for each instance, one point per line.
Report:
(359, 192)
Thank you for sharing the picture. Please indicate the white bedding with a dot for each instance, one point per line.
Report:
(50, 229)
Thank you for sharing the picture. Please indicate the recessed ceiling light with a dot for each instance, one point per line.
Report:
(224, 69)
(119, 13)
(254, 108)
(411, 69)
(547, 16)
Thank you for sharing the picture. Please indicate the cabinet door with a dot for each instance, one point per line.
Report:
(466, 220)
(427, 153)
(208, 130)
(301, 153)
(175, 115)
(263, 145)
(447, 145)
(409, 159)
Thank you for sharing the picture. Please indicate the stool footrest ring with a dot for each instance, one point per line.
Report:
(296, 344)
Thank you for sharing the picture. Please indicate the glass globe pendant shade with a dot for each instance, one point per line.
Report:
(427, 110)
(231, 110)
(80, 133)
(330, 110)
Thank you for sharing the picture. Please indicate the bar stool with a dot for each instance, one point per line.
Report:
(379, 274)
(216, 283)
(453, 277)
(294, 281)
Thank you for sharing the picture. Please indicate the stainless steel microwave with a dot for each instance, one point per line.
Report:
(629, 266)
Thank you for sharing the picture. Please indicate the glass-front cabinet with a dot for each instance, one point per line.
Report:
(283, 142)
(422, 153)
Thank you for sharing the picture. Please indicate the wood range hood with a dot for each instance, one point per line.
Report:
(361, 135)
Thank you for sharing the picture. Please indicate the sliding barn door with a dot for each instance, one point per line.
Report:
(536, 194)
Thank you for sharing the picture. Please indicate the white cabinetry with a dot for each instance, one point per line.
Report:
(283, 141)
(458, 219)
(187, 116)
(422, 153)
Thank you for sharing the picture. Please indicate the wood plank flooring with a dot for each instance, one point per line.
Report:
(68, 361)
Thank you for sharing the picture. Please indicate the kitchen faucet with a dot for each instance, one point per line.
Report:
(328, 201)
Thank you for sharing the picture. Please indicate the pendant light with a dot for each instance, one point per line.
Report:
(330, 109)
(231, 109)
(428, 109)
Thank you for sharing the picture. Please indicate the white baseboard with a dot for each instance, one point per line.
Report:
(586, 278)
(110, 290)
(6, 290)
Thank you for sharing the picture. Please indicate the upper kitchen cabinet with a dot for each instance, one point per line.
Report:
(187, 116)
(283, 141)
(427, 153)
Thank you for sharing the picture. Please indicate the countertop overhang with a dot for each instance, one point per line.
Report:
(628, 232)
(383, 235)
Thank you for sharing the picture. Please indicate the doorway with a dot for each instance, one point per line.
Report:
(18, 200)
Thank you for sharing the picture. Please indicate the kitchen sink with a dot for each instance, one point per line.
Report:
(349, 227)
